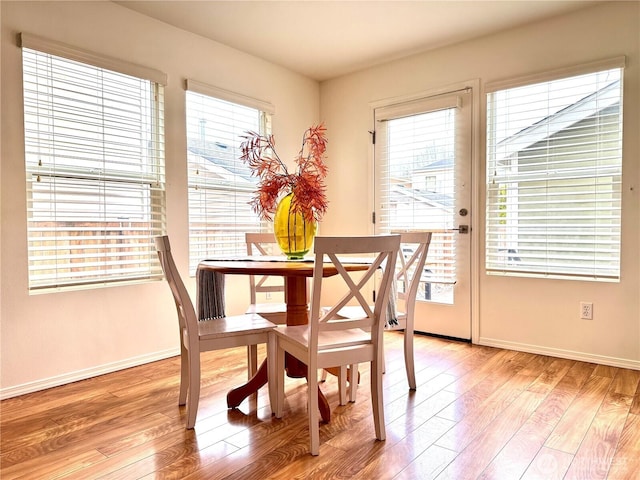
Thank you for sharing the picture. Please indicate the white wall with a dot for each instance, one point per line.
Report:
(527, 314)
(50, 339)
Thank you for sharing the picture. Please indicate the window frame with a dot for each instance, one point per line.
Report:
(105, 259)
(210, 242)
(512, 264)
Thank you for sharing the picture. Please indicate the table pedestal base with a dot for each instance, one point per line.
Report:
(237, 395)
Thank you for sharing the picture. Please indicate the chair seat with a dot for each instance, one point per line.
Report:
(274, 312)
(265, 244)
(353, 311)
(233, 325)
(267, 308)
(401, 317)
(336, 339)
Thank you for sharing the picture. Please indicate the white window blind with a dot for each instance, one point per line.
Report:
(554, 172)
(415, 180)
(94, 155)
(220, 184)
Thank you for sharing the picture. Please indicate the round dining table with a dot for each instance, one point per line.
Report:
(295, 275)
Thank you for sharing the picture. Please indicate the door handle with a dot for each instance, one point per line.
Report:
(461, 229)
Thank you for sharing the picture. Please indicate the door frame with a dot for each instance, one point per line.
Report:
(477, 179)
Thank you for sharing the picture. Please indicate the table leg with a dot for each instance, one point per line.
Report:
(323, 406)
(236, 395)
(297, 314)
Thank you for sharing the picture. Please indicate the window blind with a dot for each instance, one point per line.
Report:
(415, 177)
(554, 173)
(94, 153)
(220, 184)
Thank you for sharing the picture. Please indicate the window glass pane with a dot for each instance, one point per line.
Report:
(95, 173)
(220, 184)
(554, 168)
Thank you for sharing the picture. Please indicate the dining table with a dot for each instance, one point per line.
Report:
(295, 273)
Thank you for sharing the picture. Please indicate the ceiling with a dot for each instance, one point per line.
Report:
(330, 38)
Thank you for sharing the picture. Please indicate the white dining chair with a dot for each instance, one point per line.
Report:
(409, 274)
(198, 336)
(412, 257)
(265, 244)
(330, 340)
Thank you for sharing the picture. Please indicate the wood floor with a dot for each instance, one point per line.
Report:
(478, 413)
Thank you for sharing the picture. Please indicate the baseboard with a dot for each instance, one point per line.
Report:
(557, 352)
(70, 377)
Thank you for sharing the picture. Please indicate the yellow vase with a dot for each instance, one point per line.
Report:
(293, 234)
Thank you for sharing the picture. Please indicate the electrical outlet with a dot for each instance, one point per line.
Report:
(586, 310)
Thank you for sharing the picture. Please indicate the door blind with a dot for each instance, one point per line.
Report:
(415, 178)
(94, 155)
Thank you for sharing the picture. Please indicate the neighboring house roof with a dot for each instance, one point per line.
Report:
(217, 160)
(431, 199)
(552, 124)
(437, 165)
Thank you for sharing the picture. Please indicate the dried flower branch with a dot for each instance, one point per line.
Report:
(307, 184)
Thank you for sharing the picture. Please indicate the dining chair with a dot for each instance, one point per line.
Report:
(410, 274)
(198, 336)
(265, 244)
(414, 248)
(329, 340)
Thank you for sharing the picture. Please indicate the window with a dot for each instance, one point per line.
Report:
(430, 183)
(220, 184)
(554, 172)
(94, 146)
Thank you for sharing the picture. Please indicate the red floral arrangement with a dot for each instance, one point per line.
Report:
(307, 184)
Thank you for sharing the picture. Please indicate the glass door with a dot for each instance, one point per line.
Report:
(423, 182)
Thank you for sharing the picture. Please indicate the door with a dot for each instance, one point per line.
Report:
(423, 182)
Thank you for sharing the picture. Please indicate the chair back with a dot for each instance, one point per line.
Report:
(409, 272)
(383, 251)
(186, 313)
(261, 244)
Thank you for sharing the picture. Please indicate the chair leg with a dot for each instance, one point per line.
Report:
(377, 401)
(384, 361)
(194, 388)
(408, 356)
(353, 382)
(252, 360)
(272, 375)
(314, 413)
(351, 376)
(342, 384)
(279, 376)
(184, 375)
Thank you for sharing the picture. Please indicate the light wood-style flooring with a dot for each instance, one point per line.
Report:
(478, 413)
